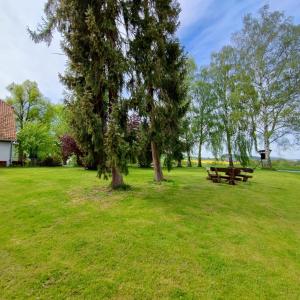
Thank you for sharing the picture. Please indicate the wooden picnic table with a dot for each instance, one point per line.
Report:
(231, 174)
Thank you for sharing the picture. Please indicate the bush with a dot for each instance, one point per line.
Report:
(50, 161)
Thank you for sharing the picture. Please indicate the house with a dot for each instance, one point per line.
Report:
(7, 133)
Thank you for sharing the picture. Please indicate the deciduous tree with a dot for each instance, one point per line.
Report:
(29, 106)
(229, 121)
(269, 51)
(37, 142)
(69, 147)
(203, 105)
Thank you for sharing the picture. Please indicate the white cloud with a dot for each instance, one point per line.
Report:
(221, 20)
(22, 59)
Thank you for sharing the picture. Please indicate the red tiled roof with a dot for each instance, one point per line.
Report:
(7, 122)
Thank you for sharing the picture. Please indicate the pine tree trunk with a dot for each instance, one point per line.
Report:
(200, 155)
(158, 174)
(117, 178)
(179, 163)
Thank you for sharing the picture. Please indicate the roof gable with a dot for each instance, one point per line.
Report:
(7, 122)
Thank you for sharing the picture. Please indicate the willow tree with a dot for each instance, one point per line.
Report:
(157, 73)
(269, 49)
(92, 42)
(203, 105)
(229, 125)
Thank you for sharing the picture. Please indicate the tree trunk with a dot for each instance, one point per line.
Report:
(229, 149)
(189, 161)
(179, 163)
(230, 160)
(268, 152)
(117, 178)
(200, 155)
(158, 174)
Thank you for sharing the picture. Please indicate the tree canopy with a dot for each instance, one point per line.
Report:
(268, 48)
(134, 96)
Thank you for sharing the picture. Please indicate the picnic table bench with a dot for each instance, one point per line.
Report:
(231, 175)
(2, 163)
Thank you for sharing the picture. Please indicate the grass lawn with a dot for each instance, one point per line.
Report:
(63, 234)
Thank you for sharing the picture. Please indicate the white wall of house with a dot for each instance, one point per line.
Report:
(5, 152)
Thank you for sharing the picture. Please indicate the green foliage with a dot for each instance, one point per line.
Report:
(29, 104)
(37, 142)
(248, 97)
(35, 120)
(85, 125)
(93, 43)
(116, 144)
(144, 155)
(138, 141)
(188, 137)
(101, 58)
(203, 104)
(60, 123)
(268, 48)
(158, 69)
(229, 120)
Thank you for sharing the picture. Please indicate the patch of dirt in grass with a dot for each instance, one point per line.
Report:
(105, 196)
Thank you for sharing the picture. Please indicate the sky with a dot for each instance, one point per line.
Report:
(205, 26)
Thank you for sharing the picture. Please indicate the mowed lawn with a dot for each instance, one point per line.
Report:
(65, 235)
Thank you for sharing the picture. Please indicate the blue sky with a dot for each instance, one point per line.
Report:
(206, 25)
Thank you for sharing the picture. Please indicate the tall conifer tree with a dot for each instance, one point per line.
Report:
(92, 42)
(158, 71)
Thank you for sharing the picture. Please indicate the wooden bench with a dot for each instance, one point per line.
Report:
(214, 176)
(2, 163)
(244, 177)
(231, 174)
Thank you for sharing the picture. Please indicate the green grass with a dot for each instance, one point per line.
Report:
(286, 165)
(65, 235)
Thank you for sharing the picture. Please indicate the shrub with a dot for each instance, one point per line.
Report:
(50, 161)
